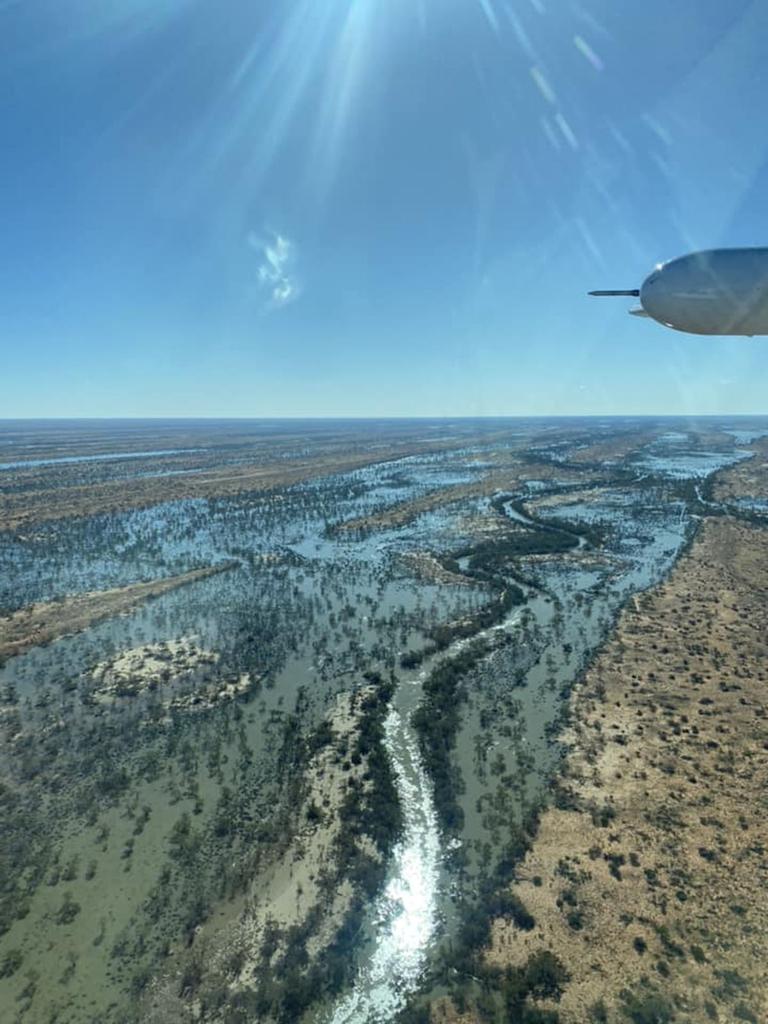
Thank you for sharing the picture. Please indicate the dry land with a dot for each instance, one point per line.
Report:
(62, 490)
(748, 479)
(507, 479)
(613, 448)
(426, 566)
(649, 879)
(48, 620)
(163, 666)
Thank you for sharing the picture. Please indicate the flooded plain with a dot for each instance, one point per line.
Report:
(138, 814)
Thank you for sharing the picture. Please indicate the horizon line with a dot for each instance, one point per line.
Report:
(372, 418)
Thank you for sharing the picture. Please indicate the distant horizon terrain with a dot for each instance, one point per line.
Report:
(449, 418)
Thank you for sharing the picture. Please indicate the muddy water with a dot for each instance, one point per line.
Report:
(513, 756)
(316, 611)
(409, 918)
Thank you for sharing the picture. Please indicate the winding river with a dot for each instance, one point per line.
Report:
(406, 915)
(409, 918)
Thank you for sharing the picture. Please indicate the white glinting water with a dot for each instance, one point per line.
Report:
(406, 914)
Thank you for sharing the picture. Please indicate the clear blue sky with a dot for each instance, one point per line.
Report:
(371, 207)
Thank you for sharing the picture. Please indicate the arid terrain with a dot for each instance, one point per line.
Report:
(39, 623)
(649, 880)
(748, 479)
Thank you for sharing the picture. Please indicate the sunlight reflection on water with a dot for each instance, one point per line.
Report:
(406, 914)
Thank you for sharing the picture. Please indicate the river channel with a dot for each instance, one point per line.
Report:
(516, 697)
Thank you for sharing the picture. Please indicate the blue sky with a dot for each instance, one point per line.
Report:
(371, 207)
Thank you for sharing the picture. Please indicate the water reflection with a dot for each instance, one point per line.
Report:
(406, 914)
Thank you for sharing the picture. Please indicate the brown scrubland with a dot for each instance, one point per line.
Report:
(748, 479)
(45, 621)
(648, 878)
(54, 492)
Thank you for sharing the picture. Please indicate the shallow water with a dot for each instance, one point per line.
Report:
(575, 611)
(405, 917)
(693, 465)
(107, 457)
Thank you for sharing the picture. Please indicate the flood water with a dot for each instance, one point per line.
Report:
(68, 460)
(405, 917)
(572, 608)
(304, 613)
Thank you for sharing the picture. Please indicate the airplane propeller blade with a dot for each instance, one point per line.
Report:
(635, 292)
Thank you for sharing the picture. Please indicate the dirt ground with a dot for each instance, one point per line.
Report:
(613, 448)
(46, 621)
(55, 492)
(649, 879)
(748, 479)
(508, 479)
(425, 566)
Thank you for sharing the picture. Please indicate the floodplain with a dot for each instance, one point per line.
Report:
(285, 709)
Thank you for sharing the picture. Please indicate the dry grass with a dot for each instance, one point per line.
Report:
(748, 479)
(613, 448)
(659, 876)
(426, 566)
(509, 479)
(46, 621)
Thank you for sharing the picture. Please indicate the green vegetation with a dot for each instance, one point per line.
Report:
(11, 962)
(487, 559)
(287, 983)
(647, 1006)
(593, 533)
(371, 807)
(503, 996)
(494, 612)
(437, 721)
(68, 910)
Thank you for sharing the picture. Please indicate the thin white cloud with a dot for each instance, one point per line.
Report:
(276, 271)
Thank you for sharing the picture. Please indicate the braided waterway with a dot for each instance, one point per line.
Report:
(413, 916)
(309, 609)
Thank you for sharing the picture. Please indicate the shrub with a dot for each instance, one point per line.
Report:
(68, 910)
(11, 962)
(545, 975)
(648, 1007)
